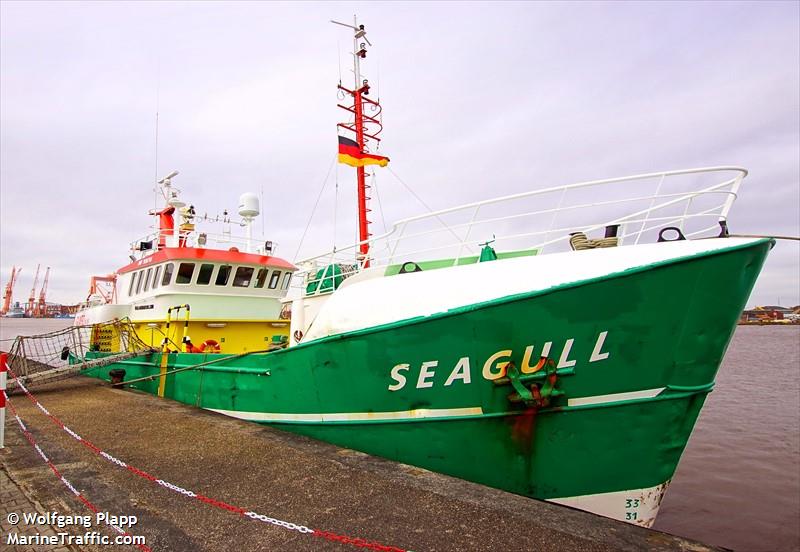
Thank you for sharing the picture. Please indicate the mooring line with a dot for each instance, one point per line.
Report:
(29, 436)
(195, 366)
(344, 539)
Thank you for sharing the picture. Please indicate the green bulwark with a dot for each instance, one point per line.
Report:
(417, 391)
(391, 270)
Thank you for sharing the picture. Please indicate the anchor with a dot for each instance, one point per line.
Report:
(538, 395)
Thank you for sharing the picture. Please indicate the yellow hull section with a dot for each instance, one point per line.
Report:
(231, 337)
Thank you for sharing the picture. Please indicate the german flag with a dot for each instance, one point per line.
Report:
(351, 154)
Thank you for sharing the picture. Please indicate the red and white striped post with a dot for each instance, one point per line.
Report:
(3, 376)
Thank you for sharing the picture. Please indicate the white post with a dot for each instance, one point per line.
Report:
(732, 195)
(3, 376)
(249, 226)
(356, 57)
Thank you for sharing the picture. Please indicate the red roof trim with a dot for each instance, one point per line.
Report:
(213, 255)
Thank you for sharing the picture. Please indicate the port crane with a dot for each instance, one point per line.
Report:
(30, 306)
(9, 292)
(41, 307)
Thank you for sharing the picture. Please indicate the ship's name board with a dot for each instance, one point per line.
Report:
(495, 366)
(143, 261)
(143, 307)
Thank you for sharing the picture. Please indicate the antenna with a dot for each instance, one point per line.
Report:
(165, 181)
(170, 194)
(365, 128)
(360, 32)
(359, 50)
(158, 102)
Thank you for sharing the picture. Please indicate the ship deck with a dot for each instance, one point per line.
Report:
(281, 475)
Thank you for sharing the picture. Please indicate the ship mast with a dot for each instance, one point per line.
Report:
(365, 128)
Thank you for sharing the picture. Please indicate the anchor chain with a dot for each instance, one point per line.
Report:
(535, 395)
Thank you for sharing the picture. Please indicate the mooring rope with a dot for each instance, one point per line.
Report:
(793, 238)
(194, 366)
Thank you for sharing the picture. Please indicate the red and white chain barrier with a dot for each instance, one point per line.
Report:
(344, 539)
(3, 377)
(63, 479)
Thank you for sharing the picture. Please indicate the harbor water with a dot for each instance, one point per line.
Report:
(738, 483)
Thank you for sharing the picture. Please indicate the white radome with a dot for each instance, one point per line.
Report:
(248, 205)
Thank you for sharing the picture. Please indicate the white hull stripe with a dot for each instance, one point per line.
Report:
(636, 506)
(616, 397)
(351, 416)
(420, 413)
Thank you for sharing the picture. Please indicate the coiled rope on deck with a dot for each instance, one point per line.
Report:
(578, 241)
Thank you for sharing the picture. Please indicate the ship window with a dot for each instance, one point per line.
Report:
(130, 287)
(147, 279)
(167, 274)
(156, 274)
(273, 281)
(243, 276)
(185, 271)
(204, 275)
(139, 281)
(286, 279)
(223, 275)
(261, 277)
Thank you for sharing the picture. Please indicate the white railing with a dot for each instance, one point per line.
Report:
(196, 238)
(693, 200)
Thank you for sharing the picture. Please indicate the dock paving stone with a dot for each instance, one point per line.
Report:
(281, 475)
(14, 499)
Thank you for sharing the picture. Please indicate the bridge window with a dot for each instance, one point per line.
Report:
(223, 275)
(139, 281)
(273, 281)
(204, 275)
(286, 279)
(156, 274)
(185, 271)
(130, 287)
(261, 277)
(168, 269)
(243, 276)
(147, 279)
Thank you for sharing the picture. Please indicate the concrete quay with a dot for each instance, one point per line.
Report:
(281, 475)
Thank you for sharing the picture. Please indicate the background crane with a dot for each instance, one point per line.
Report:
(41, 308)
(9, 292)
(30, 306)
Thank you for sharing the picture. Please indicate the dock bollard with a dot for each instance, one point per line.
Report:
(117, 377)
(3, 377)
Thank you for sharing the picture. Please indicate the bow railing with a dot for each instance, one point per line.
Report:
(540, 221)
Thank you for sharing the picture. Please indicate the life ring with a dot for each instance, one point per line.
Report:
(209, 346)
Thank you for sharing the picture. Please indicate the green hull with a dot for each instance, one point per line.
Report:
(637, 354)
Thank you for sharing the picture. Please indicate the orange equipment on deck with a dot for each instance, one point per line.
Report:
(108, 291)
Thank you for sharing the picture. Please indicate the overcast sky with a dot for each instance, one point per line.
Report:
(480, 99)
